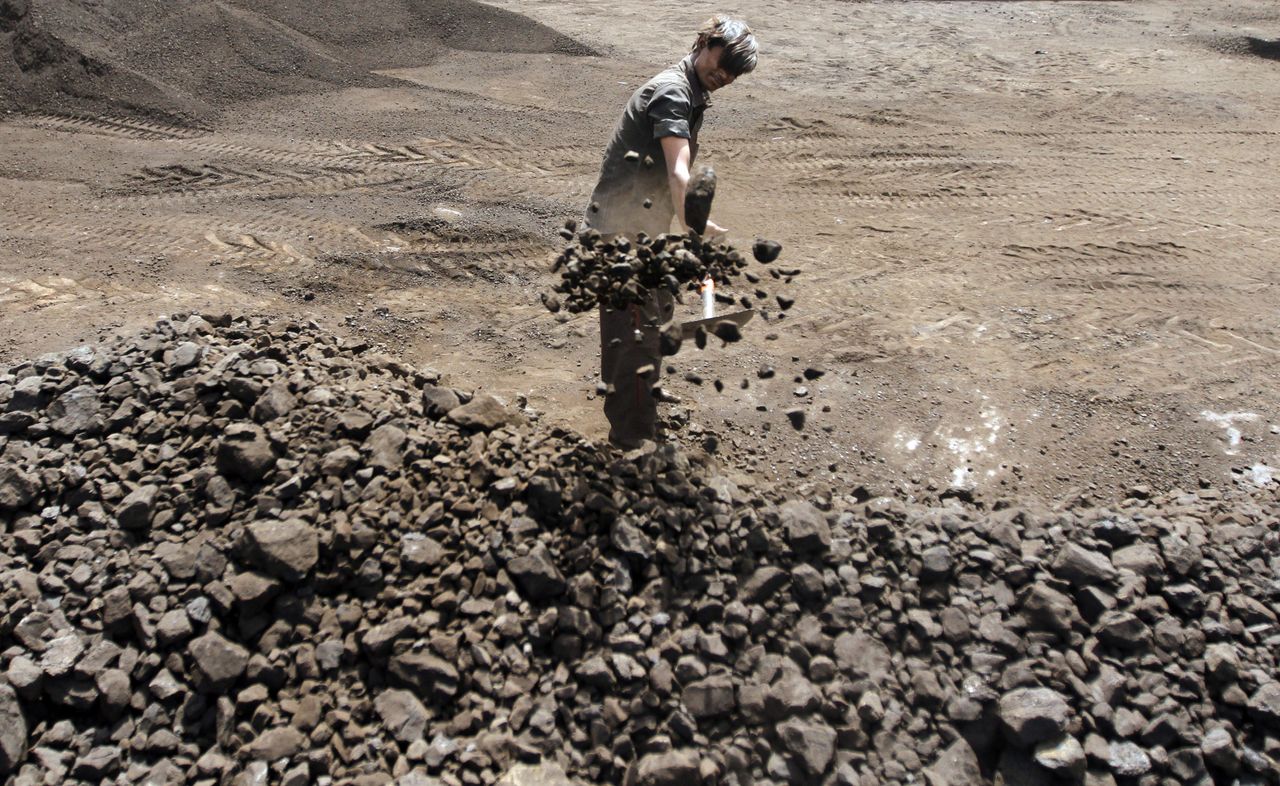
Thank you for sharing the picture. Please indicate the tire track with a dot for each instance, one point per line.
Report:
(1163, 253)
(855, 144)
(413, 162)
(33, 295)
(1163, 272)
(210, 182)
(248, 248)
(273, 238)
(182, 232)
(849, 198)
(56, 292)
(489, 260)
(430, 152)
(1115, 222)
(128, 128)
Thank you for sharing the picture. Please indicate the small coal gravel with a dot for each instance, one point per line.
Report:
(241, 552)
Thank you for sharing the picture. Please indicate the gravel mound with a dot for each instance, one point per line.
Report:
(245, 552)
(190, 59)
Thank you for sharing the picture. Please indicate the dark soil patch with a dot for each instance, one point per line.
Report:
(1264, 48)
(1247, 46)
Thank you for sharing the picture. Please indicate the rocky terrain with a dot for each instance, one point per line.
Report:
(235, 551)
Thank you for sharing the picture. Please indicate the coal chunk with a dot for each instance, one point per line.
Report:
(17, 488)
(727, 331)
(669, 768)
(285, 549)
(796, 417)
(404, 715)
(136, 510)
(536, 574)
(483, 412)
(1082, 566)
(1031, 715)
(425, 674)
(766, 251)
(670, 338)
(813, 743)
(807, 529)
(245, 452)
(218, 662)
(710, 697)
(13, 730)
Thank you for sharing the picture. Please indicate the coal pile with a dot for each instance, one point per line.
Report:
(620, 271)
(237, 552)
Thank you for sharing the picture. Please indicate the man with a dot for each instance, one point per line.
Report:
(641, 188)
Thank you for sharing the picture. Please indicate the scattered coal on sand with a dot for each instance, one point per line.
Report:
(241, 552)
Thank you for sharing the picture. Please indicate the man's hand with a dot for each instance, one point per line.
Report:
(678, 154)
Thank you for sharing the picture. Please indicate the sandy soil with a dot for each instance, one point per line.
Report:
(1039, 239)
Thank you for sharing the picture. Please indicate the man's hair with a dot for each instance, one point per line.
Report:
(740, 49)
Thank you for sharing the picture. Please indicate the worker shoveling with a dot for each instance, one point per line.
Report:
(647, 183)
(620, 273)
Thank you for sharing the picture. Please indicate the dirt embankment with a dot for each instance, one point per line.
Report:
(188, 60)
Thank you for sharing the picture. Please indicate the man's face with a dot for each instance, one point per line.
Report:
(707, 66)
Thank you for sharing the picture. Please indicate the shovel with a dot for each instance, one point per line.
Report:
(697, 209)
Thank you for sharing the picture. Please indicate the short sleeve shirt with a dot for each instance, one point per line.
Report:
(670, 104)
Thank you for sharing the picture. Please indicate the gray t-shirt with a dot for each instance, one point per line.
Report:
(670, 104)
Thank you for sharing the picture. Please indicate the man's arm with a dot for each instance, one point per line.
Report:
(678, 154)
(676, 150)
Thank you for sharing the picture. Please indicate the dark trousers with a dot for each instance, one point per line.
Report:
(630, 406)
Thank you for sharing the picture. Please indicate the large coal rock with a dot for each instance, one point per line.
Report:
(806, 527)
(17, 488)
(286, 549)
(13, 730)
(536, 574)
(245, 452)
(218, 661)
(425, 674)
(1031, 715)
(483, 412)
(135, 510)
(403, 714)
(672, 768)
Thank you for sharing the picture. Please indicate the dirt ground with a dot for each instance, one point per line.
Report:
(1040, 240)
